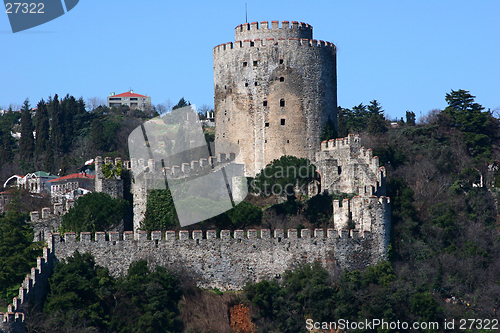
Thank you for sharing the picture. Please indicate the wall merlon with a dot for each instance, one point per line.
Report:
(319, 233)
(100, 236)
(305, 233)
(197, 234)
(211, 234)
(114, 236)
(292, 233)
(184, 234)
(239, 234)
(279, 233)
(85, 237)
(70, 237)
(265, 233)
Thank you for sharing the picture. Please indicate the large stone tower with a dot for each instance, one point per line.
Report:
(275, 87)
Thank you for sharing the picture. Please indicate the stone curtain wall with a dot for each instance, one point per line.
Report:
(274, 88)
(231, 260)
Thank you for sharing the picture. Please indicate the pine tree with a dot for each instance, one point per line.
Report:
(42, 128)
(57, 128)
(27, 142)
(328, 132)
(48, 163)
(375, 108)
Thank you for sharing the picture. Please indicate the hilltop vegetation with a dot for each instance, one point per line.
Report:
(444, 258)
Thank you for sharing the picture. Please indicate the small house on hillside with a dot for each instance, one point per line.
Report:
(71, 186)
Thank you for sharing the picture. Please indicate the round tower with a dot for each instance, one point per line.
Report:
(275, 87)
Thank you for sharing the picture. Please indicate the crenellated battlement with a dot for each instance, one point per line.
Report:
(183, 235)
(46, 213)
(32, 291)
(267, 42)
(265, 29)
(202, 165)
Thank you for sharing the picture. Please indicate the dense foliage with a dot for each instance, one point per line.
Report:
(444, 252)
(160, 212)
(94, 212)
(18, 253)
(283, 177)
(83, 296)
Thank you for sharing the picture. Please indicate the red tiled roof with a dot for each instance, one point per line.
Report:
(128, 94)
(73, 176)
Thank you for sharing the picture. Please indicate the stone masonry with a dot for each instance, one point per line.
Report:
(275, 87)
(345, 166)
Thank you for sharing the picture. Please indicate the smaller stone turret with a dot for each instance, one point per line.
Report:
(347, 167)
(111, 183)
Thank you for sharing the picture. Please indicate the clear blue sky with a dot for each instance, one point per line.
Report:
(405, 54)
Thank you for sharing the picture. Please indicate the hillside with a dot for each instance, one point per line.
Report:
(444, 260)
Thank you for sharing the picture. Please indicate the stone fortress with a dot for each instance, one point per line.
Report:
(274, 89)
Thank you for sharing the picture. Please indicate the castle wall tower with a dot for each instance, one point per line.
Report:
(274, 88)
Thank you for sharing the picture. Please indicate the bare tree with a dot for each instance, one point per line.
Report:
(94, 102)
(164, 107)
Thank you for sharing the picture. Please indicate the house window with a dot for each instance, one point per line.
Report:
(264, 103)
(255, 62)
(256, 84)
(281, 61)
(282, 121)
(244, 64)
(251, 44)
(265, 141)
(246, 84)
(267, 124)
(287, 141)
(282, 102)
(282, 79)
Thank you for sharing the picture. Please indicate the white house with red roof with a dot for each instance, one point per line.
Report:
(71, 186)
(129, 98)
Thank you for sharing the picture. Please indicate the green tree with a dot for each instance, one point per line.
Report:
(7, 147)
(329, 131)
(147, 301)
(282, 176)
(94, 212)
(18, 253)
(319, 209)
(245, 214)
(79, 293)
(468, 117)
(375, 108)
(182, 103)
(160, 211)
(57, 126)
(27, 142)
(377, 125)
(410, 118)
(42, 128)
